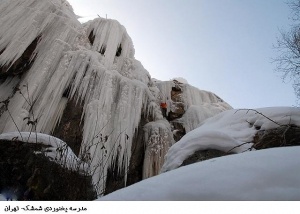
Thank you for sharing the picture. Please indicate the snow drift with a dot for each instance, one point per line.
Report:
(270, 174)
(231, 130)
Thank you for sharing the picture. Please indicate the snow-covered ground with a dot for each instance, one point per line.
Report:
(228, 130)
(2, 198)
(270, 174)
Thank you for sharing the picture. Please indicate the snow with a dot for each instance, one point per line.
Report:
(109, 35)
(2, 198)
(181, 80)
(194, 96)
(116, 91)
(57, 150)
(229, 129)
(270, 174)
(8, 195)
(197, 114)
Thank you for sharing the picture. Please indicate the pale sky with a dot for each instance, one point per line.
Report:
(222, 46)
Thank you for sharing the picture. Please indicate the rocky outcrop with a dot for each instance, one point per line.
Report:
(203, 155)
(177, 111)
(27, 174)
(70, 127)
(282, 136)
(116, 179)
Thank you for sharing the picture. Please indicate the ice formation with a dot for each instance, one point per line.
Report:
(100, 73)
(230, 130)
(39, 90)
(158, 140)
(48, 58)
(198, 104)
(197, 114)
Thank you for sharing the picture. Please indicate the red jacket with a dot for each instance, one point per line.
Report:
(163, 105)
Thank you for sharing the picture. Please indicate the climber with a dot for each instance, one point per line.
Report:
(164, 109)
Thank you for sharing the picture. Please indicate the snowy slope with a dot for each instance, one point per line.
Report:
(228, 130)
(271, 174)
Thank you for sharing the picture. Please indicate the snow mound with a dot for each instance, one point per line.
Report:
(232, 130)
(270, 174)
(57, 151)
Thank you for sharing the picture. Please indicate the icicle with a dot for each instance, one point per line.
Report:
(158, 139)
(58, 114)
(7, 87)
(111, 40)
(113, 108)
(41, 88)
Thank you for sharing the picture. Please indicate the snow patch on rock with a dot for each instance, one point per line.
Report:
(231, 130)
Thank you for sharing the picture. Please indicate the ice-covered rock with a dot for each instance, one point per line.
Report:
(50, 63)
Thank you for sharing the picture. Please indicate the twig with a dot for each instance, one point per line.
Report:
(237, 147)
(261, 115)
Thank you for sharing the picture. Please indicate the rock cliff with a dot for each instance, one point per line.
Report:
(81, 83)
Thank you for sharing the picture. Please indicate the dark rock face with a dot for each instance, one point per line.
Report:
(176, 96)
(115, 180)
(177, 111)
(70, 131)
(92, 37)
(279, 137)
(70, 127)
(22, 64)
(26, 174)
(135, 172)
(203, 155)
